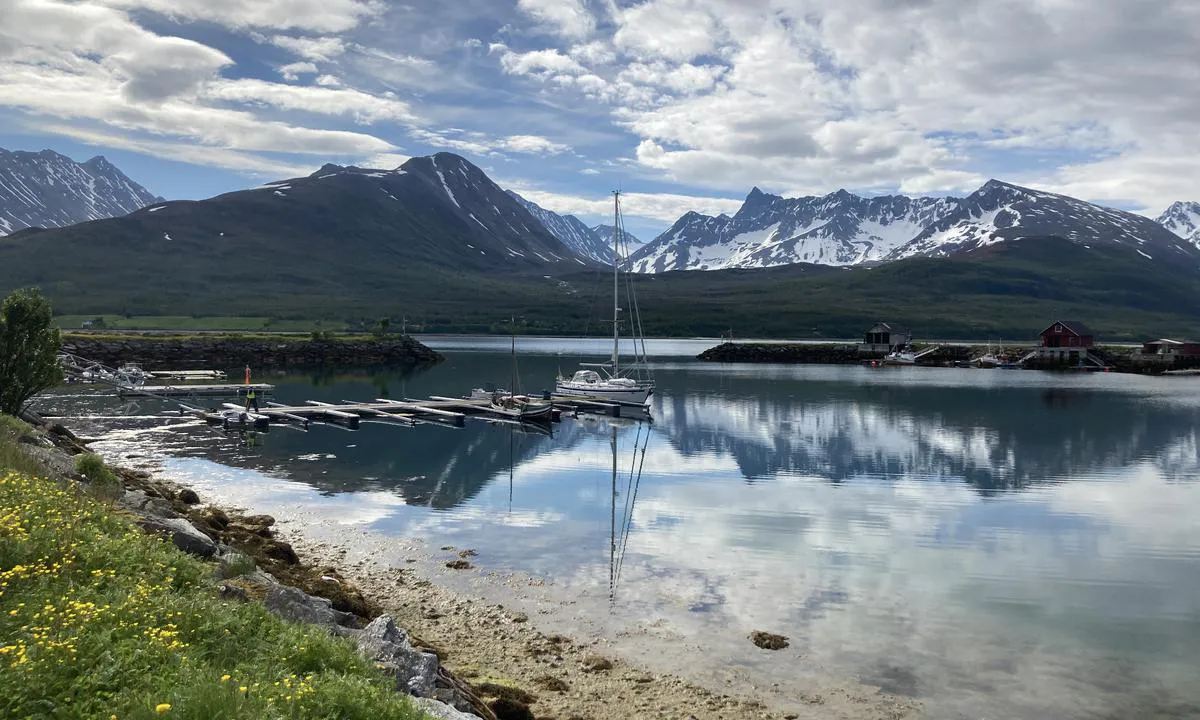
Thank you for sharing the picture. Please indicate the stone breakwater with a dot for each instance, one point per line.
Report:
(223, 352)
(831, 354)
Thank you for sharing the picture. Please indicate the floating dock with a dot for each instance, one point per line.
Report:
(225, 390)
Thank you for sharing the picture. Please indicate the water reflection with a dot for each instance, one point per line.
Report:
(1000, 544)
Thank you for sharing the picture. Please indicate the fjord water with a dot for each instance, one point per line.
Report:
(996, 543)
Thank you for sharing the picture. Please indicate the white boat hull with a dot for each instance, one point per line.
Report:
(636, 394)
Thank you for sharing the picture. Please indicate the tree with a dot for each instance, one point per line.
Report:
(29, 345)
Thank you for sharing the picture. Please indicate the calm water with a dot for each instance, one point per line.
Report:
(997, 543)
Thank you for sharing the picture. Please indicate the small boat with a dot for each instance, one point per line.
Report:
(900, 356)
(615, 383)
(520, 407)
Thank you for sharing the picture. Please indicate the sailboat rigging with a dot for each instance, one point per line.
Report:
(633, 385)
(511, 404)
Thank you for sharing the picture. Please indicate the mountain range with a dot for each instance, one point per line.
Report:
(593, 243)
(844, 229)
(437, 241)
(45, 189)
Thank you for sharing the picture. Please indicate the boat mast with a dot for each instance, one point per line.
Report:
(616, 309)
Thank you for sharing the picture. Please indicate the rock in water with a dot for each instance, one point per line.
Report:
(768, 641)
(383, 642)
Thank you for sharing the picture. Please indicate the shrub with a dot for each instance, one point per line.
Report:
(29, 345)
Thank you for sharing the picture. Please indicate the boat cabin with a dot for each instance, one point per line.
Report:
(883, 338)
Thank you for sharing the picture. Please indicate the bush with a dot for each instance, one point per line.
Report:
(15, 427)
(29, 345)
(92, 467)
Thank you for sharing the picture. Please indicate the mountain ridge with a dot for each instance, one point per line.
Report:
(47, 189)
(844, 229)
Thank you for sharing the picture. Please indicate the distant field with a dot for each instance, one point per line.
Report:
(187, 322)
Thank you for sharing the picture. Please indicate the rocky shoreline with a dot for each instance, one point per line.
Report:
(221, 352)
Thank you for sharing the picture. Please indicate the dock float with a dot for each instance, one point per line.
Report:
(226, 390)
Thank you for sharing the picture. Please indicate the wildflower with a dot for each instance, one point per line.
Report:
(225, 678)
(162, 707)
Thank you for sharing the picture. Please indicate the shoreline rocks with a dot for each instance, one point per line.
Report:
(225, 351)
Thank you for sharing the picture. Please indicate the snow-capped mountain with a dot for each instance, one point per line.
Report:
(1000, 211)
(845, 229)
(835, 229)
(572, 231)
(629, 242)
(1183, 219)
(45, 189)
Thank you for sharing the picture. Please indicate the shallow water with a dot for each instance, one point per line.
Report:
(997, 543)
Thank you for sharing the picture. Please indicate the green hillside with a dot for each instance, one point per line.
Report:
(1010, 290)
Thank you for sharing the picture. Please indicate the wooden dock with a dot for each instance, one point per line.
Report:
(436, 410)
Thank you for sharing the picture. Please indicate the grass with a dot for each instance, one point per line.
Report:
(98, 620)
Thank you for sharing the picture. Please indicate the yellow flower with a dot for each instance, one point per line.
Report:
(162, 707)
(243, 689)
(225, 678)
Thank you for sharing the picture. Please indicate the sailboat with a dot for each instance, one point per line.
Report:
(614, 384)
(510, 404)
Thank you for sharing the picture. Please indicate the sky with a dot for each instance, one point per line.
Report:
(683, 104)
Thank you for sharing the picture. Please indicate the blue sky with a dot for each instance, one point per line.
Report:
(685, 104)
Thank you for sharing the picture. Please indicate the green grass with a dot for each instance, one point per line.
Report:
(98, 620)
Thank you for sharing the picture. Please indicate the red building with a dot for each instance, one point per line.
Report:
(1068, 334)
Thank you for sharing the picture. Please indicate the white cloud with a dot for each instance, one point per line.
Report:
(596, 52)
(385, 161)
(568, 18)
(184, 152)
(314, 15)
(677, 30)
(293, 71)
(536, 62)
(822, 93)
(363, 107)
(532, 144)
(328, 81)
(665, 207)
(318, 48)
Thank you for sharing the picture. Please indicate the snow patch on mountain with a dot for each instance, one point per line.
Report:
(577, 236)
(46, 189)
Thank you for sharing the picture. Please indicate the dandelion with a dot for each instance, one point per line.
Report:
(162, 707)
(225, 678)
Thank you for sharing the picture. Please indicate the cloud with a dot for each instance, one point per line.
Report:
(184, 152)
(313, 15)
(363, 107)
(293, 71)
(536, 62)
(385, 161)
(820, 94)
(665, 207)
(532, 144)
(568, 18)
(677, 30)
(319, 48)
(483, 144)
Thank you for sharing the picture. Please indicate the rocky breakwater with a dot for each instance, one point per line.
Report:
(827, 354)
(226, 351)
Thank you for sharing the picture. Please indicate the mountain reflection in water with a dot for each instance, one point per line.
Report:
(1001, 544)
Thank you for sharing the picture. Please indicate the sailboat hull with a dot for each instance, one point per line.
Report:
(639, 394)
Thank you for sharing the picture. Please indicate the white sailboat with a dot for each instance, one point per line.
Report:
(607, 380)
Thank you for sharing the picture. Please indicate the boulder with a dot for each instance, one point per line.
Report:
(140, 502)
(182, 535)
(440, 710)
(296, 605)
(388, 645)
